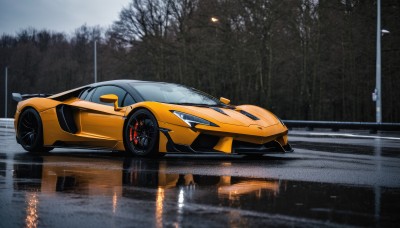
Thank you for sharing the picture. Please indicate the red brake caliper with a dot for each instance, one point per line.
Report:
(133, 135)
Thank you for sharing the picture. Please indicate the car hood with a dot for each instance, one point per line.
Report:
(233, 116)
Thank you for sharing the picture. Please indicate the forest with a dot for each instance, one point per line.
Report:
(301, 59)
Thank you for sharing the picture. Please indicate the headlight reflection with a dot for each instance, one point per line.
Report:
(32, 216)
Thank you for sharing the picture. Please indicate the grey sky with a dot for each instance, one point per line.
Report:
(57, 15)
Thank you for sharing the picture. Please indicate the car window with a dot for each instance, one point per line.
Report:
(88, 94)
(102, 90)
(83, 94)
(128, 100)
(173, 93)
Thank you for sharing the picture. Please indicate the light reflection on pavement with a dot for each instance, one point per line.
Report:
(327, 181)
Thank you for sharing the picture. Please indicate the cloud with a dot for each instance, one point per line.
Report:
(57, 15)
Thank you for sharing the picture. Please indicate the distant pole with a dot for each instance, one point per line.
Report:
(95, 61)
(378, 64)
(5, 101)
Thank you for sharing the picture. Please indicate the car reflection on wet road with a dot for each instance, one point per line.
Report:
(347, 182)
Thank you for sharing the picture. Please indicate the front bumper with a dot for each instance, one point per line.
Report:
(208, 142)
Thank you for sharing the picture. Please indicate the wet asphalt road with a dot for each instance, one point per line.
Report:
(332, 179)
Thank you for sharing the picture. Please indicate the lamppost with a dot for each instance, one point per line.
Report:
(6, 91)
(95, 61)
(384, 31)
(377, 94)
(215, 21)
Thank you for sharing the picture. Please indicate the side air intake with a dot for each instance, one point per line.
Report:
(66, 118)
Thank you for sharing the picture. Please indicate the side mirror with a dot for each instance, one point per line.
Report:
(224, 100)
(110, 98)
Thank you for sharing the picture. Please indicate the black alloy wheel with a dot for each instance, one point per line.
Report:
(141, 134)
(30, 131)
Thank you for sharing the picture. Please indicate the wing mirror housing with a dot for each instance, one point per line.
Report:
(224, 100)
(110, 98)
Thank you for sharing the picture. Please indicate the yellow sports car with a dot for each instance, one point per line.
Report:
(146, 119)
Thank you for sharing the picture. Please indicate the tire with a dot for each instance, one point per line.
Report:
(30, 131)
(141, 134)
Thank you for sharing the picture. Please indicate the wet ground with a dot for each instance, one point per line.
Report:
(332, 179)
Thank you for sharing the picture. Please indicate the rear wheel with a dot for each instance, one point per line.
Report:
(141, 134)
(30, 131)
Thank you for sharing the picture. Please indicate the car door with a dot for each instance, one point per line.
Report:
(98, 122)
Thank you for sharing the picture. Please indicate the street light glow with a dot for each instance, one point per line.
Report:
(214, 20)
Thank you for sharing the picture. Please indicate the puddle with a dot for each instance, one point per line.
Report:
(152, 181)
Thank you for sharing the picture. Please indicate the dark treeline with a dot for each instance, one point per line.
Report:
(305, 59)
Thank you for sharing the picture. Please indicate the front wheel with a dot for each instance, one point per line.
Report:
(30, 131)
(141, 134)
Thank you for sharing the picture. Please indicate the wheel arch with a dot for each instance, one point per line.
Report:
(37, 145)
(131, 112)
(20, 112)
(127, 117)
(155, 110)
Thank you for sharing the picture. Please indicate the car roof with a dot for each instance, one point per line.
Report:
(123, 82)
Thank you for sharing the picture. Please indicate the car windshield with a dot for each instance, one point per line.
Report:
(174, 94)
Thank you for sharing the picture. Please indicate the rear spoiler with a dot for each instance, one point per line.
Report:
(19, 97)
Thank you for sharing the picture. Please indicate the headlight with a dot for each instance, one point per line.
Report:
(193, 120)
